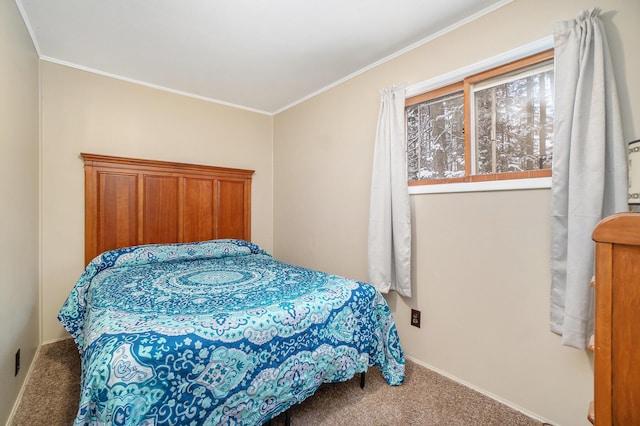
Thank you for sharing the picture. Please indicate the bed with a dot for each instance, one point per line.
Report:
(218, 332)
(206, 332)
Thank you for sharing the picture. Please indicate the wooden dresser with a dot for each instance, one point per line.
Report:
(617, 321)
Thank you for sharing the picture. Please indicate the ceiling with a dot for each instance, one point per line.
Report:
(255, 54)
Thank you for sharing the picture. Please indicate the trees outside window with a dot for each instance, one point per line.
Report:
(497, 124)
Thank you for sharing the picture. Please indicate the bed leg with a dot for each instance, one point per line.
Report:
(362, 378)
(287, 418)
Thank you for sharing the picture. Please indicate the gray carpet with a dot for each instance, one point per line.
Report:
(426, 398)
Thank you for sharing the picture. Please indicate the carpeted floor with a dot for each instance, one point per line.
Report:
(426, 398)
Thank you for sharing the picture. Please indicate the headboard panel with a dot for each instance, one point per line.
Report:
(131, 201)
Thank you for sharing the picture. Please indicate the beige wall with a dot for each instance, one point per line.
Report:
(85, 112)
(19, 206)
(481, 260)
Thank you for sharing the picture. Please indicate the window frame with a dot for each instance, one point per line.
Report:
(530, 55)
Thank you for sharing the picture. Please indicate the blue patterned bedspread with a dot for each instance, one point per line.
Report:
(218, 333)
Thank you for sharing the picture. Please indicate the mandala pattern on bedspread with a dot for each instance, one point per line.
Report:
(218, 333)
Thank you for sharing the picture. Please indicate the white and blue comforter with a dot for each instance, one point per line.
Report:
(218, 332)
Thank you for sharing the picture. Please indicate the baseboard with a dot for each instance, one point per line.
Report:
(480, 390)
(23, 387)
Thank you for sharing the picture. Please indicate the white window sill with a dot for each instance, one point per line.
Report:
(494, 185)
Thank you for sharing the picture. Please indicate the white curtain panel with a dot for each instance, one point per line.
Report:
(589, 168)
(389, 245)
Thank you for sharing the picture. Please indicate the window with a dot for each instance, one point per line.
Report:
(494, 125)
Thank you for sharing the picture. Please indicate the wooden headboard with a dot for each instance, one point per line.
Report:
(131, 201)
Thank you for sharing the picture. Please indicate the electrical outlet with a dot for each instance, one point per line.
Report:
(415, 318)
(17, 362)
